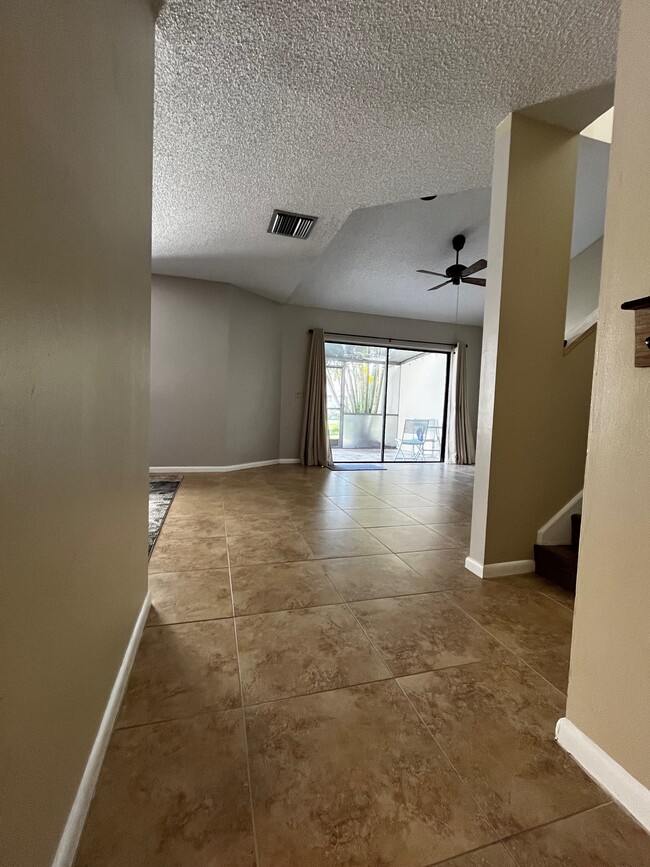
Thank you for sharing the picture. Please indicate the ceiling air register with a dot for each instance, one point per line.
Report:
(291, 225)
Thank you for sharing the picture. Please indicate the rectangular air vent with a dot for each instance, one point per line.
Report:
(292, 225)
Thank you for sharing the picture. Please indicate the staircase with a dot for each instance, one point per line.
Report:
(559, 563)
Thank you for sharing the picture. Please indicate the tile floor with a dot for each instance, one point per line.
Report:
(321, 682)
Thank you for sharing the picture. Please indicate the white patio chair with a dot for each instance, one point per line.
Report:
(414, 435)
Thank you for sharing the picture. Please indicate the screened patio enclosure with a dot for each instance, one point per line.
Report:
(386, 404)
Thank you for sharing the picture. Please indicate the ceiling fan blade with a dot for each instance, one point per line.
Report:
(435, 273)
(472, 269)
(475, 281)
(439, 285)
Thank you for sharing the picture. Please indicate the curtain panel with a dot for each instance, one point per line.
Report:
(460, 438)
(315, 450)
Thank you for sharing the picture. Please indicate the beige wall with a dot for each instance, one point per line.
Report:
(609, 686)
(75, 160)
(215, 374)
(534, 403)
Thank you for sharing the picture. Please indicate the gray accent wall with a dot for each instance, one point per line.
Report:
(189, 372)
(228, 369)
(215, 374)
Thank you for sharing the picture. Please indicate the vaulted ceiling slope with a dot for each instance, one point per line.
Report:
(370, 266)
(328, 106)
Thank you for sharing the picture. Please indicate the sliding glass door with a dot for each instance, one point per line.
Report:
(386, 404)
(356, 392)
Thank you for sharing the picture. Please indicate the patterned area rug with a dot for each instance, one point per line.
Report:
(161, 494)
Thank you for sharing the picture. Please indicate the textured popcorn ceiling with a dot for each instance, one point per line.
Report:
(330, 106)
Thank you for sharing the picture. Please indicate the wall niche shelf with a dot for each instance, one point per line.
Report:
(641, 307)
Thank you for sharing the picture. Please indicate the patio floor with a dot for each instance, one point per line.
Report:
(370, 455)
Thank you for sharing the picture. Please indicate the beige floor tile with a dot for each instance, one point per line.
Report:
(489, 856)
(495, 720)
(373, 577)
(343, 543)
(185, 554)
(177, 597)
(196, 505)
(418, 633)
(182, 670)
(552, 664)
(351, 778)
(382, 517)
(525, 621)
(604, 837)
(403, 501)
(194, 526)
(241, 524)
(355, 501)
(541, 585)
(306, 501)
(432, 514)
(278, 547)
(254, 503)
(444, 568)
(280, 586)
(332, 519)
(413, 538)
(301, 651)
(456, 534)
(172, 794)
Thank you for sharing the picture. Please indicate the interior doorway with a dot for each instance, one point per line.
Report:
(385, 403)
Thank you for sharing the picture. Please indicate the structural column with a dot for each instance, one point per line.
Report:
(534, 403)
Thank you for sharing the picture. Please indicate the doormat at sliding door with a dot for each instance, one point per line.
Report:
(161, 493)
(347, 467)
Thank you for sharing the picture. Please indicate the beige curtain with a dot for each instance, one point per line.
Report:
(460, 439)
(315, 450)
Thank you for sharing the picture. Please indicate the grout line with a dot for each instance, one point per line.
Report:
(512, 652)
(208, 710)
(291, 697)
(422, 722)
(479, 849)
(243, 716)
(449, 761)
(508, 837)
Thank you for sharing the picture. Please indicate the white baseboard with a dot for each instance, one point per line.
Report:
(557, 530)
(601, 767)
(69, 841)
(228, 469)
(500, 570)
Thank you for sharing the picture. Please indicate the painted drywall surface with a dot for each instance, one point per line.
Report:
(535, 400)
(190, 327)
(74, 353)
(296, 322)
(253, 378)
(590, 194)
(584, 285)
(609, 687)
(228, 369)
(215, 374)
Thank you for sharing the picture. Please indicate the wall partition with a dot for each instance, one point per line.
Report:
(386, 400)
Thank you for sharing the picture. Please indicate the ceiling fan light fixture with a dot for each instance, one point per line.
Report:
(458, 273)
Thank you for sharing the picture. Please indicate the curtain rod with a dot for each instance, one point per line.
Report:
(388, 339)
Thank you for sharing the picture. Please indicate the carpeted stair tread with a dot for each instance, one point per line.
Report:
(558, 563)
